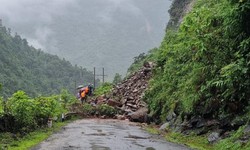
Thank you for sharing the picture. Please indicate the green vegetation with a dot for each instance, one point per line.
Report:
(33, 71)
(152, 130)
(176, 12)
(88, 109)
(22, 114)
(106, 110)
(203, 67)
(141, 59)
(201, 143)
(233, 142)
(23, 120)
(117, 79)
(18, 142)
(104, 88)
(193, 141)
(99, 110)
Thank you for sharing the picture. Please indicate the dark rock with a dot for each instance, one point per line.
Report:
(120, 117)
(164, 126)
(139, 116)
(114, 103)
(171, 115)
(247, 130)
(210, 123)
(213, 137)
(246, 135)
(197, 122)
(130, 98)
(201, 123)
(103, 117)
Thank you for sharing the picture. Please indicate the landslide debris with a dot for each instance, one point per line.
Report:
(127, 96)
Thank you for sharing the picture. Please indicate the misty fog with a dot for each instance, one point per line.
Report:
(89, 33)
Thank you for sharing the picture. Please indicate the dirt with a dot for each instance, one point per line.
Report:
(105, 134)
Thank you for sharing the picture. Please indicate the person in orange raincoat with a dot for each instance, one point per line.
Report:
(83, 94)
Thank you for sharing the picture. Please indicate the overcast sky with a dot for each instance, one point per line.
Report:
(40, 14)
(96, 27)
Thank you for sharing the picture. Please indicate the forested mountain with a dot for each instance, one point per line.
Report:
(34, 71)
(94, 33)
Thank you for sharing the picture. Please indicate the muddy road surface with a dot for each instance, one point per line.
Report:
(100, 134)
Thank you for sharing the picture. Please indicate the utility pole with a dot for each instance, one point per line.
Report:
(75, 88)
(1, 23)
(102, 75)
(94, 77)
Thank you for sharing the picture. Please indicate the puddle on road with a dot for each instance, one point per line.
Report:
(135, 137)
(70, 147)
(97, 134)
(98, 147)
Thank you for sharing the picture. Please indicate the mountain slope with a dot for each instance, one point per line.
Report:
(201, 82)
(26, 68)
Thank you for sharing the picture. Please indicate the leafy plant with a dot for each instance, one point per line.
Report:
(105, 88)
(107, 110)
(117, 79)
(88, 109)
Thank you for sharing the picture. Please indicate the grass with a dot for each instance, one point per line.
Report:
(30, 140)
(152, 130)
(193, 141)
(201, 142)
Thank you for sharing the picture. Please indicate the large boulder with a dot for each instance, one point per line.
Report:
(141, 115)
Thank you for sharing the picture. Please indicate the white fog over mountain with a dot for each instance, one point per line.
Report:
(89, 33)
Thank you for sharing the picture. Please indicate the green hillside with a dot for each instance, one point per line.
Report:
(203, 65)
(201, 82)
(33, 71)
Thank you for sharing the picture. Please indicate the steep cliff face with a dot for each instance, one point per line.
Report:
(177, 11)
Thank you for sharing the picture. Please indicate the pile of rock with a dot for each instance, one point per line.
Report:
(130, 92)
(127, 96)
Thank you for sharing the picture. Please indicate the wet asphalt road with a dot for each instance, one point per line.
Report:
(99, 134)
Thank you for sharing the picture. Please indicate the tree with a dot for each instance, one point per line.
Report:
(117, 78)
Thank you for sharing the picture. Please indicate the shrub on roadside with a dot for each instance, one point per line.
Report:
(106, 110)
(105, 88)
(88, 109)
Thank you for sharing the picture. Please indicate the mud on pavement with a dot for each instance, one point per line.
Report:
(105, 134)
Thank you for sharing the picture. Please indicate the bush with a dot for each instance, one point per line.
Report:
(88, 109)
(107, 110)
(22, 108)
(105, 88)
(26, 114)
(47, 107)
